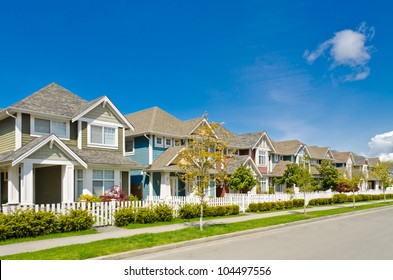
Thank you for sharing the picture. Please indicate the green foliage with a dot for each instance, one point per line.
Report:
(125, 216)
(271, 190)
(75, 220)
(298, 202)
(278, 205)
(88, 198)
(329, 175)
(320, 201)
(146, 215)
(28, 223)
(189, 211)
(164, 212)
(242, 180)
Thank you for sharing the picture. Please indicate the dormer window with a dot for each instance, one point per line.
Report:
(168, 142)
(159, 141)
(41, 127)
(262, 156)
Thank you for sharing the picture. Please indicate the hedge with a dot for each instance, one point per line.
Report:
(278, 205)
(28, 223)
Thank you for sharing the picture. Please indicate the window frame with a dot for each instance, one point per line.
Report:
(156, 142)
(35, 133)
(264, 156)
(103, 180)
(103, 126)
(165, 142)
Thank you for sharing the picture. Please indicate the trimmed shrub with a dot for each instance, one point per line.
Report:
(164, 212)
(279, 205)
(75, 220)
(298, 202)
(146, 215)
(253, 207)
(320, 201)
(189, 211)
(125, 216)
(339, 198)
(88, 198)
(288, 204)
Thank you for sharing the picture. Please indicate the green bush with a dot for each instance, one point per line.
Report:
(232, 209)
(339, 198)
(125, 216)
(189, 211)
(289, 204)
(320, 201)
(164, 212)
(279, 205)
(253, 207)
(88, 198)
(146, 215)
(298, 202)
(75, 220)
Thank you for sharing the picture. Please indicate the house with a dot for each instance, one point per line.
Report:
(286, 152)
(54, 146)
(317, 156)
(252, 150)
(157, 135)
(373, 183)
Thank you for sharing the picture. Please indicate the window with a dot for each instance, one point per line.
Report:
(130, 147)
(261, 157)
(79, 183)
(103, 180)
(159, 142)
(263, 185)
(102, 135)
(168, 142)
(45, 127)
(276, 158)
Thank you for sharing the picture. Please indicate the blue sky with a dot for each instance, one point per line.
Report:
(316, 72)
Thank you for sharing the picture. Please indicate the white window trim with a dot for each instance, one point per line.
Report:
(266, 155)
(157, 144)
(276, 158)
(170, 145)
(103, 179)
(97, 145)
(133, 148)
(40, 134)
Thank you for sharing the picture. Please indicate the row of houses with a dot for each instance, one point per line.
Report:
(54, 146)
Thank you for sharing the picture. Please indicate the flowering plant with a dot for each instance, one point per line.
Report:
(114, 192)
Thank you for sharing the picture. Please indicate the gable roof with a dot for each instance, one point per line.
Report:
(163, 162)
(34, 145)
(358, 159)
(156, 121)
(290, 147)
(237, 161)
(279, 168)
(242, 141)
(51, 100)
(342, 157)
(320, 152)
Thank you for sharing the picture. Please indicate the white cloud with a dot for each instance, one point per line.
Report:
(347, 48)
(381, 145)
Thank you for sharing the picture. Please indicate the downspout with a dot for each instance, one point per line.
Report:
(9, 114)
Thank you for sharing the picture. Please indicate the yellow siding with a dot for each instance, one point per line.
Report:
(102, 114)
(7, 135)
(52, 154)
(26, 138)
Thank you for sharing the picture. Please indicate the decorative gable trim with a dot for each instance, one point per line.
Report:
(105, 102)
(269, 142)
(52, 139)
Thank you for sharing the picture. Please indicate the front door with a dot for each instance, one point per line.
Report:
(174, 186)
(3, 187)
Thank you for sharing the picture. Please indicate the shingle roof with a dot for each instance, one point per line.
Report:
(358, 159)
(289, 147)
(341, 156)
(373, 161)
(162, 162)
(239, 141)
(97, 157)
(318, 152)
(279, 168)
(155, 120)
(52, 99)
(235, 162)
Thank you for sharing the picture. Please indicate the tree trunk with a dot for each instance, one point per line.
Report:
(201, 217)
(304, 205)
(384, 194)
(353, 198)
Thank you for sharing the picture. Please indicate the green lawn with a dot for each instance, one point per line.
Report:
(111, 246)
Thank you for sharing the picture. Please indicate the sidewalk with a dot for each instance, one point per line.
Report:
(115, 232)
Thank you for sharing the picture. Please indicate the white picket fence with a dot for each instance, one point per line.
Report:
(103, 212)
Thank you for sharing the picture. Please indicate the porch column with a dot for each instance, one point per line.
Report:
(27, 186)
(165, 185)
(151, 184)
(67, 187)
(13, 185)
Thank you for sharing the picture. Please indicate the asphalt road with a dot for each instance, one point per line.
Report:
(358, 236)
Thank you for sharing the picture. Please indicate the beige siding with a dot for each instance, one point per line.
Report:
(73, 134)
(102, 114)
(7, 135)
(47, 153)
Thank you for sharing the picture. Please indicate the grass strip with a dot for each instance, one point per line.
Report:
(112, 246)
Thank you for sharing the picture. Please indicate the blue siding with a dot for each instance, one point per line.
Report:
(141, 150)
(157, 151)
(146, 187)
(156, 187)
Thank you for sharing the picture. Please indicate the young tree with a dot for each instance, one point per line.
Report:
(350, 183)
(242, 179)
(203, 160)
(299, 175)
(329, 175)
(382, 172)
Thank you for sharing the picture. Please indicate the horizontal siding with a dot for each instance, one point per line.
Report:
(84, 141)
(102, 114)
(141, 146)
(7, 135)
(73, 134)
(26, 138)
(51, 154)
